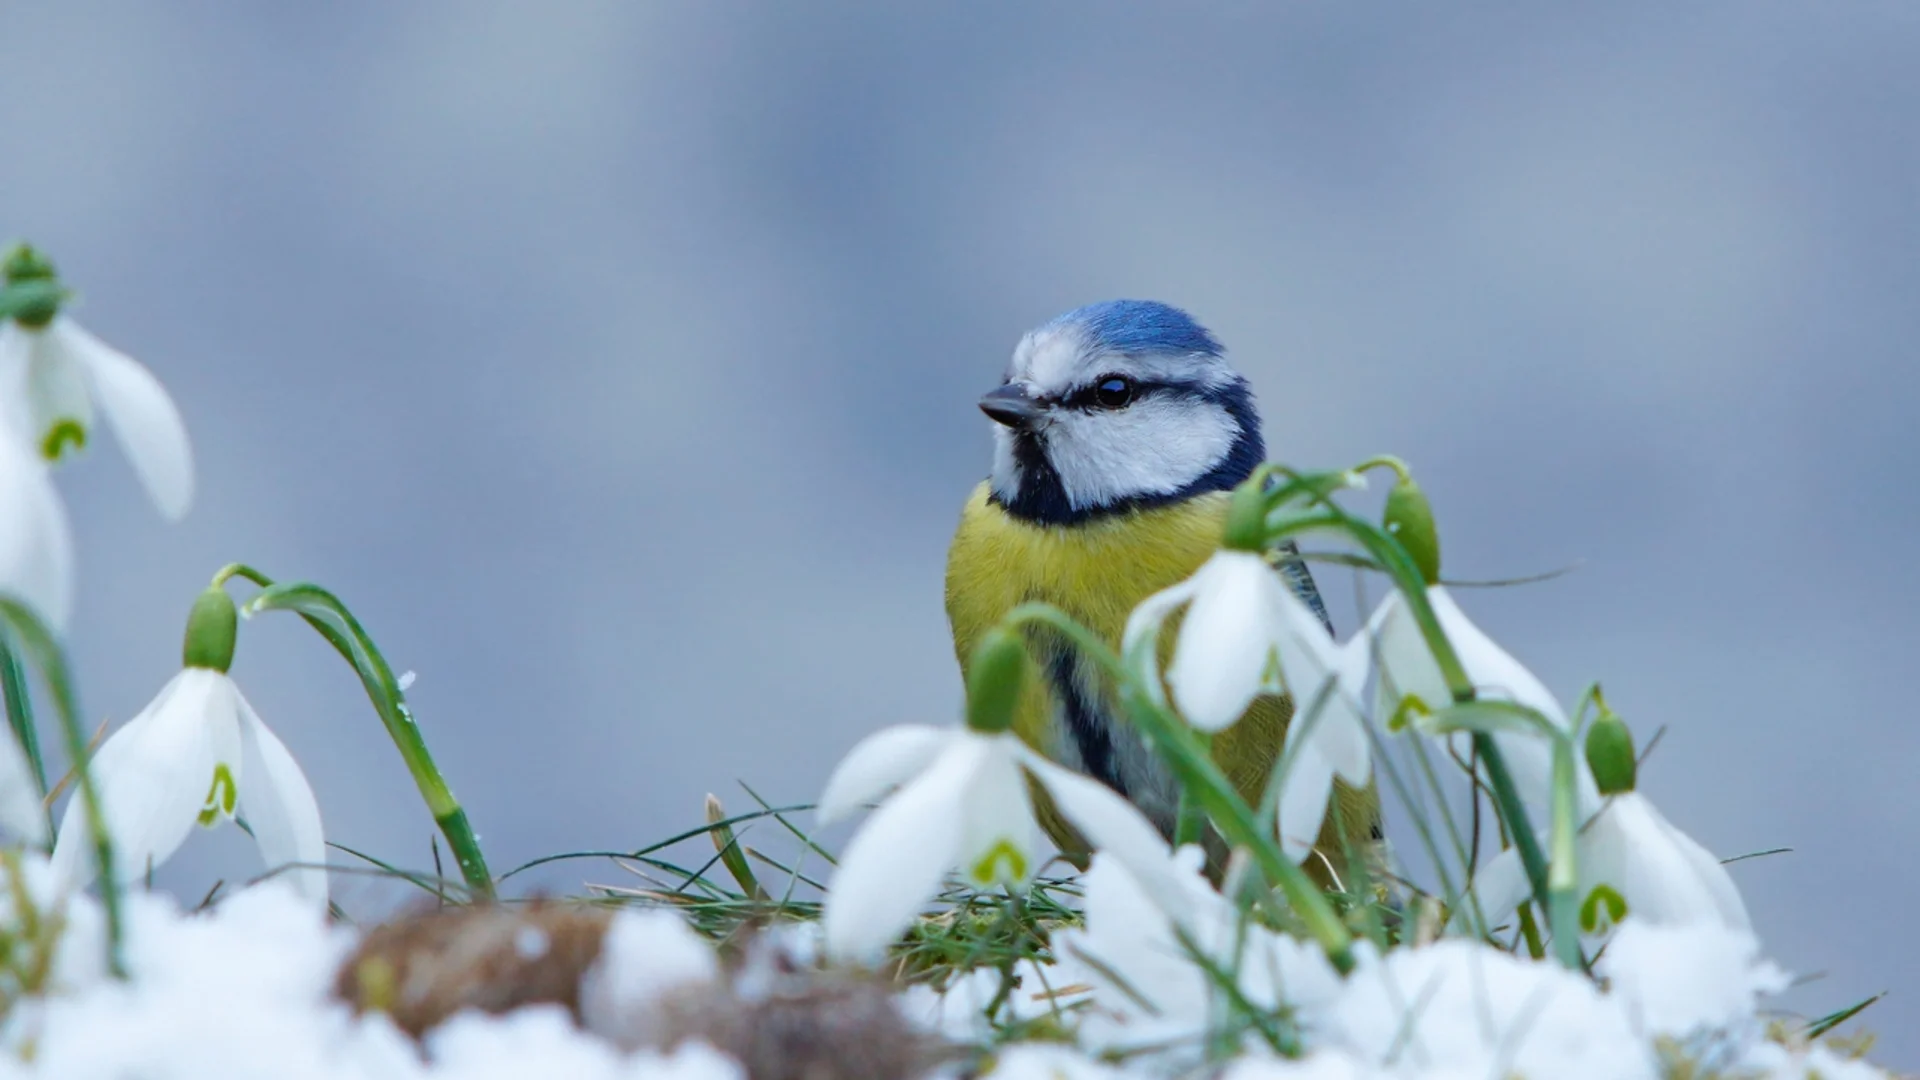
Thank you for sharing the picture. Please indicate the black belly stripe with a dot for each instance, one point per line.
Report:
(1091, 732)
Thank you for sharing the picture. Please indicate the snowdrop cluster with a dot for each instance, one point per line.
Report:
(1163, 971)
(1128, 988)
(1168, 974)
(197, 753)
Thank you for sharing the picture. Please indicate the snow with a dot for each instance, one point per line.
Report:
(245, 990)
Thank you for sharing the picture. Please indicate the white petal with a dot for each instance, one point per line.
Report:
(1147, 618)
(1665, 876)
(1494, 671)
(1500, 886)
(142, 415)
(998, 844)
(1406, 667)
(1230, 632)
(153, 776)
(1327, 717)
(881, 761)
(1303, 801)
(36, 546)
(1399, 655)
(53, 387)
(895, 863)
(1112, 825)
(279, 807)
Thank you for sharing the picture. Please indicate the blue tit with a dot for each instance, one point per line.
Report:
(1119, 431)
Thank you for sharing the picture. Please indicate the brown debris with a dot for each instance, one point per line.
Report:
(422, 968)
(781, 1019)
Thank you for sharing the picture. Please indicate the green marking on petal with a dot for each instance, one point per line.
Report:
(987, 870)
(63, 434)
(1273, 677)
(1410, 709)
(1592, 918)
(222, 797)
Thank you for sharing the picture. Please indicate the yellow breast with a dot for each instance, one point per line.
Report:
(1096, 571)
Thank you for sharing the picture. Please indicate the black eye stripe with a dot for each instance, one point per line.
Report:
(1090, 397)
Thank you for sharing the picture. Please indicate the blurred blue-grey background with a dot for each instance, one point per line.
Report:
(616, 361)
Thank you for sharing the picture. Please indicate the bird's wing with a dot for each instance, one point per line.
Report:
(1285, 557)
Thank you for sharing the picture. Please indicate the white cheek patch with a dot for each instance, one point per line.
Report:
(1156, 446)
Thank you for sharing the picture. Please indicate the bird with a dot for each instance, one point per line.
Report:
(1120, 430)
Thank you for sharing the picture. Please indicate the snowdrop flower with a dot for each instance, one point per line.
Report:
(1393, 650)
(1664, 875)
(36, 548)
(53, 374)
(195, 754)
(1247, 633)
(962, 802)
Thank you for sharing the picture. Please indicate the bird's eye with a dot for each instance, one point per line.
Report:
(1113, 392)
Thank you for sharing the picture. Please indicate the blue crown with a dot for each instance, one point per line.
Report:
(1140, 326)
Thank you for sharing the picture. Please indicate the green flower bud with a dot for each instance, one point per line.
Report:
(1247, 517)
(994, 680)
(1610, 754)
(1409, 519)
(212, 627)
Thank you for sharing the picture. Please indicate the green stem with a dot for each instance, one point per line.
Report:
(1388, 461)
(1563, 880)
(47, 655)
(1186, 755)
(13, 686)
(1413, 592)
(331, 619)
(1507, 797)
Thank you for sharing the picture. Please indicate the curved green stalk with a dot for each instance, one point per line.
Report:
(47, 655)
(327, 615)
(19, 705)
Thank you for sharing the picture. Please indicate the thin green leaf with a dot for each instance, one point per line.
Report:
(325, 613)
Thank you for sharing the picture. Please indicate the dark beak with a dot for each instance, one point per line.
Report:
(1011, 405)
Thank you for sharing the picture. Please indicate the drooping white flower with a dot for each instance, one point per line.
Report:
(197, 753)
(1393, 650)
(54, 377)
(1246, 633)
(962, 802)
(1664, 875)
(36, 548)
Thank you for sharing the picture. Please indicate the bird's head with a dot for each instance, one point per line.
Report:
(1118, 406)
